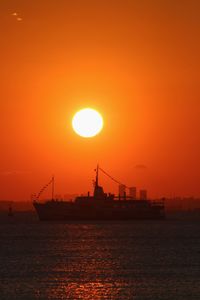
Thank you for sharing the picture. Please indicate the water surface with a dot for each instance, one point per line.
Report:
(100, 260)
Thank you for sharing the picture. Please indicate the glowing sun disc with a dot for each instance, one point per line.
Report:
(87, 122)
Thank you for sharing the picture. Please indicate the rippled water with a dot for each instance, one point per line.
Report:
(102, 260)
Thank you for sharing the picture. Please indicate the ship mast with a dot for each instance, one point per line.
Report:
(53, 187)
(97, 176)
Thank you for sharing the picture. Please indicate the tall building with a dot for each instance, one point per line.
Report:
(143, 194)
(122, 190)
(132, 192)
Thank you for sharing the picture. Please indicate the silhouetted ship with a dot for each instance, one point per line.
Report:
(10, 212)
(99, 206)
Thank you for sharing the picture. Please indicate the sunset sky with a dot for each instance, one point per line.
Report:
(136, 62)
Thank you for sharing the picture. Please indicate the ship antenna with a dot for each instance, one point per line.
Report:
(53, 186)
(97, 176)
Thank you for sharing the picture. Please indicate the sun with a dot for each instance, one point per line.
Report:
(87, 122)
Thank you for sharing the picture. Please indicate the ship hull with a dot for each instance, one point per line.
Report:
(63, 211)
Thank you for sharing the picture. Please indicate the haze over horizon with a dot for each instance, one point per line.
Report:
(136, 62)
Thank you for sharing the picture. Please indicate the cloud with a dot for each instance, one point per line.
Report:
(13, 172)
(140, 167)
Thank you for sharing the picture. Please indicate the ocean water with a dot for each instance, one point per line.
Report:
(100, 260)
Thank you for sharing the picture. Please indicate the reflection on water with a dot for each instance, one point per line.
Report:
(116, 260)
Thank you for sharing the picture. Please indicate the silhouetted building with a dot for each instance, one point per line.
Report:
(132, 192)
(143, 194)
(122, 190)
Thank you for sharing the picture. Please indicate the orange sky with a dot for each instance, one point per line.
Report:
(137, 62)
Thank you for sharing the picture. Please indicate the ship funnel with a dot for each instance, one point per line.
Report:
(122, 189)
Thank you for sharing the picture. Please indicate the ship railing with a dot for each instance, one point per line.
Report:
(158, 202)
(117, 197)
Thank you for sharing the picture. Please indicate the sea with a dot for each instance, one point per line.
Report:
(138, 260)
